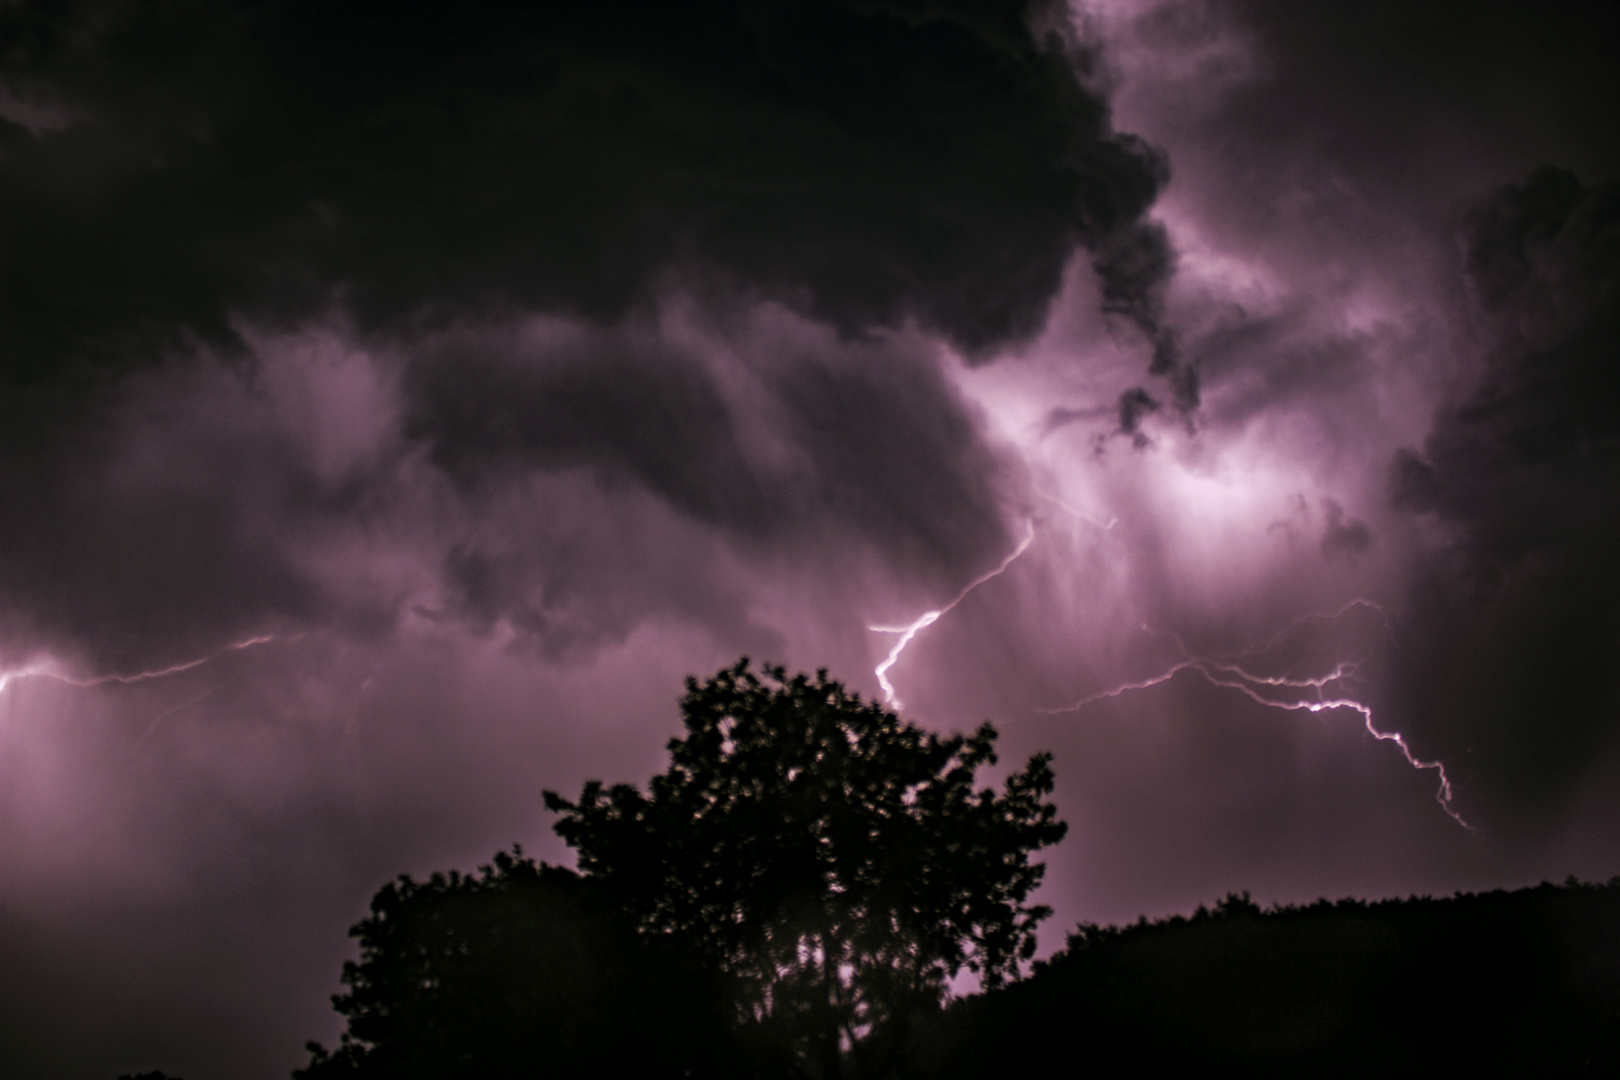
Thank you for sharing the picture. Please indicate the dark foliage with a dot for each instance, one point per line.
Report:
(791, 898)
(516, 971)
(1503, 983)
(835, 863)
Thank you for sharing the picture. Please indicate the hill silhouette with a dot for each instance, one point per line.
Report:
(527, 977)
(1495, 983)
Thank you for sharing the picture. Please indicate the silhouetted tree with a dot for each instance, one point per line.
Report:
(519, 970)
(836, 864)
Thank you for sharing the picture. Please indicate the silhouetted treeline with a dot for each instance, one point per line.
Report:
(519, 970)
(793, 895)
(1504, 983)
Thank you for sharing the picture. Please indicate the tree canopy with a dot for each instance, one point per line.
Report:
(517, 971)
(837, 865)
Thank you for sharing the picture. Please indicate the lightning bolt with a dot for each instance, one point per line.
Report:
(1078, 514)
(1228, 674)
(20, 673)
(139, 676)
(1316, 616)
(929, 618)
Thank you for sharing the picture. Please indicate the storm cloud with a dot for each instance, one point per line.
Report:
(1521, 473)
(867, 162)
(434, 179)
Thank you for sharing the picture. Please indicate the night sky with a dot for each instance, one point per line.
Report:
(398, 399)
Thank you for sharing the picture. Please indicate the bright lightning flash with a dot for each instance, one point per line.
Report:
(139, 676)
(929, 618)
(1322, 693)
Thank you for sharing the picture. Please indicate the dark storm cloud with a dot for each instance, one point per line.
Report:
(1421, 105)
(868, 161)
(1133, 268)
(173, 174)
(1523, 474)
(148, 533)
(628, 403)
(1343, 535)
(1544, 424)
(1134, 404)
(778, 436)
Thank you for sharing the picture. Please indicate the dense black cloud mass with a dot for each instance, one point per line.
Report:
(1415, 103)
(869, 161)
(1515, 627)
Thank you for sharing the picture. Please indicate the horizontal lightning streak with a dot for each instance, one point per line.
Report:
(139, 676)
(929, 618)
